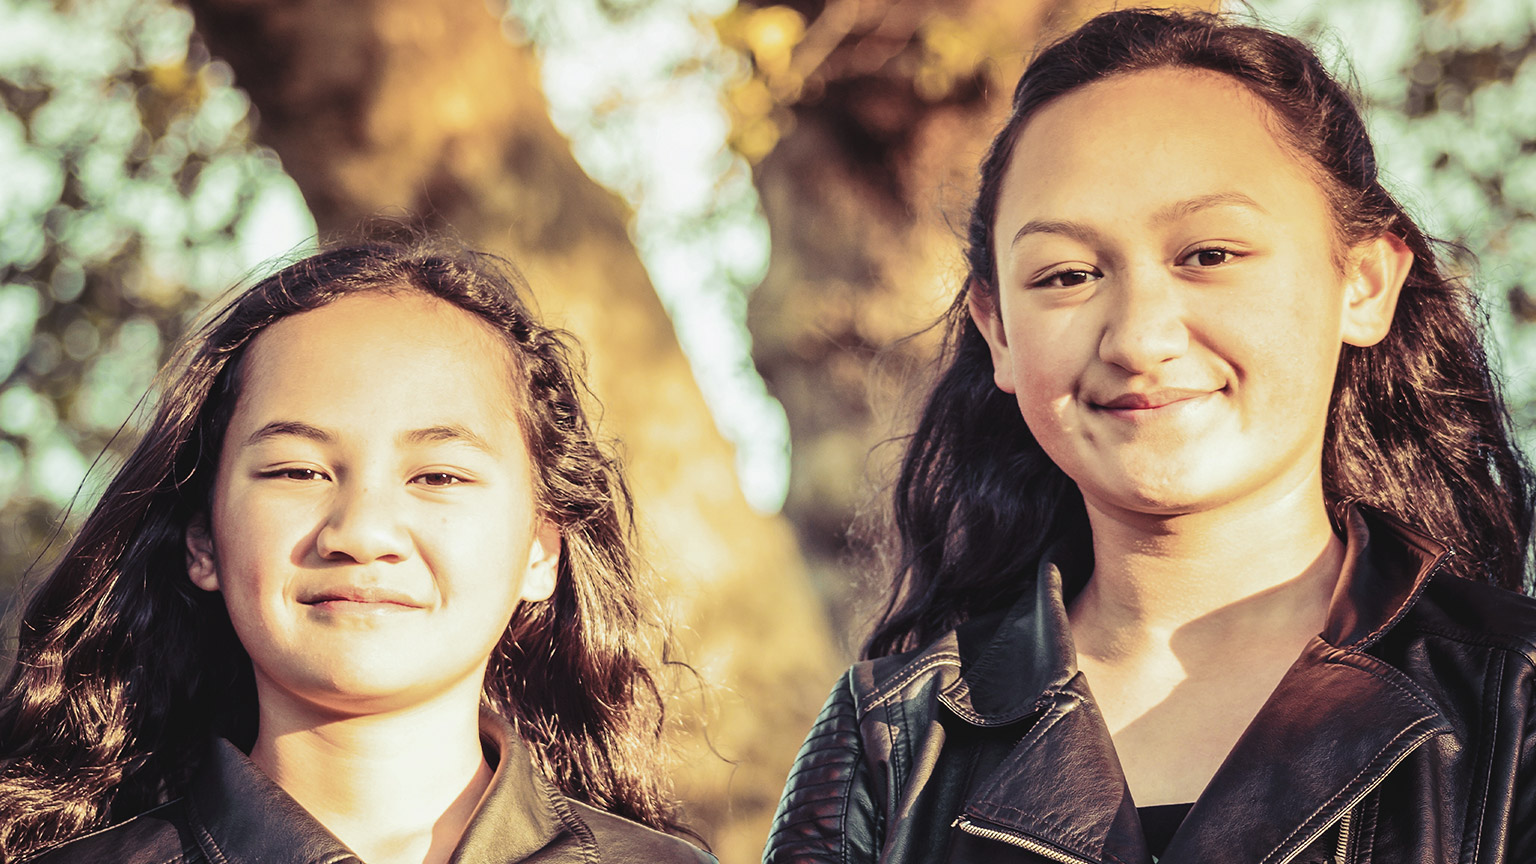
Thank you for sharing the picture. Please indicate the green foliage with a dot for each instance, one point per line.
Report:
(132, 194)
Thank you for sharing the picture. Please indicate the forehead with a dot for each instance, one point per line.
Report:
(386, 359)
(1148, 136)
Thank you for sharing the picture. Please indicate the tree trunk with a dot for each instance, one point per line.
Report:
(425, 107)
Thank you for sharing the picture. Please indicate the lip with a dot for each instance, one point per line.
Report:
(1139, 402)
(360, 598)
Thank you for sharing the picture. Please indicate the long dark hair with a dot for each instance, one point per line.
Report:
(1417, 427)
(123, 667)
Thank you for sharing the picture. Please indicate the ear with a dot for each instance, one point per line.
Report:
(201, 567)
(986, 316)
(1377, 271)
(543, 563)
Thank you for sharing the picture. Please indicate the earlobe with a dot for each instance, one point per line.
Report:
(985, 315)
(543, 563)
(201, 566)
(1378, 269)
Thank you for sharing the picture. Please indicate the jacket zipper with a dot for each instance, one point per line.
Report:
(1018, 840)
(1341, 852)
(1345, 821)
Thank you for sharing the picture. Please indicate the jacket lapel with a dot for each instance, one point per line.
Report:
(1338, 722)
(242, 816)
(517, 817)
(1061, 787)
(1334, 727)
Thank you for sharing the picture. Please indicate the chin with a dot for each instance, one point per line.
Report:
(341, 700)
(1170, 498)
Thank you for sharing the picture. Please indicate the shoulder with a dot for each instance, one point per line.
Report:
(159, 836)
(919, 675)
(622, 840)
(1476, 613)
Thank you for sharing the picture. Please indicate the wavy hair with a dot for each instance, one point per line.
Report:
(123, 667)
(1417, 427)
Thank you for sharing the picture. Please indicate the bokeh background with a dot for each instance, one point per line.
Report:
(743, 209)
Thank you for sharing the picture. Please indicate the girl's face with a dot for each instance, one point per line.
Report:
(373, 524)
(1170, 309)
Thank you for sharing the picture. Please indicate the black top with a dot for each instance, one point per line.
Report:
(1159, 822)
(233, 813)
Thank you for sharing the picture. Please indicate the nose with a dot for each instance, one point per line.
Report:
(363, 527)
(1144, 322)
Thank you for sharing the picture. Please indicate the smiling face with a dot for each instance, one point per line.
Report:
(1170, 309)
(373, 524)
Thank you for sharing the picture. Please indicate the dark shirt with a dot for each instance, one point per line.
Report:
(233, 813)
(1159, 822)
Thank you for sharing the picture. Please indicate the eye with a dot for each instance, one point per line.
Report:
(1209, 257)
(301, 474)
(438, 478)
(1065, 279)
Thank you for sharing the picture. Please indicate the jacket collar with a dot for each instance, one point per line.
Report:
(1380, 581)
(240, 815)
(1062, 784)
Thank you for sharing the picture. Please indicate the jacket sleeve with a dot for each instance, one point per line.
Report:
(828, 812)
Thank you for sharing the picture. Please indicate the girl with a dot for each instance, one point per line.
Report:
(1220, 437)
(365, 590)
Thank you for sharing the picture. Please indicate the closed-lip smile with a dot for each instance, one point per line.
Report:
(334, 596)
(1151, 399)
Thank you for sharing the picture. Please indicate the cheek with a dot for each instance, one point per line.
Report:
(1048, 362)
(483, 547)
(1293, 348)
(1046, 381)
(254, 538)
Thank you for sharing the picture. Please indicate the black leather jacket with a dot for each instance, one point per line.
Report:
(234, 814)
(1403, 734)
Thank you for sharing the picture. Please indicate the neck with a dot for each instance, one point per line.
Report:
(397, 786)
(1264, 575)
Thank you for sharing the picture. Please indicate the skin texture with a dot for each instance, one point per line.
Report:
(1169, 315)
(373, 529)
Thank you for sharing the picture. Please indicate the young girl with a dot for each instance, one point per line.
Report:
(365, 590)
(1211, 528)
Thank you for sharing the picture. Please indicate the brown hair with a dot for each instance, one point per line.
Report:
(124, 667)
(1417, 427)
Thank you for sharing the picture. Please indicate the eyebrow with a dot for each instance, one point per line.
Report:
(430, 434)
(1178, 209)
(279, 428)
(1205, 202)
(446, 432)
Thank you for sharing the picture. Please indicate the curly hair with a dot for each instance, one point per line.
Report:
(1417, 427)
(123, 667)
